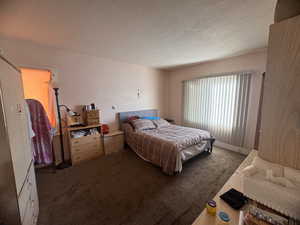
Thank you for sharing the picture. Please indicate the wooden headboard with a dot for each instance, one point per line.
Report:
(123, 116)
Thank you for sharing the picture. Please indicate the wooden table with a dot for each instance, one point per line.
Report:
(233, 182)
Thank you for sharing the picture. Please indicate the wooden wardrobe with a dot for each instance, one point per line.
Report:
(18, 191)
(280, 127)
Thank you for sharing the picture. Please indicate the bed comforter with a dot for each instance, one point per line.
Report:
(162, 146)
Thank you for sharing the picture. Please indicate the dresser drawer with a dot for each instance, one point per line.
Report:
(82, 149)
(92, 113)
(77, 158)
(29, 216)
(34, 194)
(24, 198)
(85, 140)
(28, 199)
(87, 151)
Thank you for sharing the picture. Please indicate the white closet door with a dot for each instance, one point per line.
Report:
(16, 121)
(280, 124)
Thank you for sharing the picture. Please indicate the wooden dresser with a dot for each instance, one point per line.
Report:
(85, 147)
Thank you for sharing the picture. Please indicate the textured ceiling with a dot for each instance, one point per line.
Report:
(156, 33)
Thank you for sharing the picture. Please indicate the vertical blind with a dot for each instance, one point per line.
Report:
(218, 104)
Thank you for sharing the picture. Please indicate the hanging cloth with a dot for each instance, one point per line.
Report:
(42, 141)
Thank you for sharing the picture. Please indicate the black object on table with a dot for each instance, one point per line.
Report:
(234, 199)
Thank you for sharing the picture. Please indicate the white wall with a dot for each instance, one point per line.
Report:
(86, 79)
(255, 62)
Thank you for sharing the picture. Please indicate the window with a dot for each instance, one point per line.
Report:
(37, 85)
(218, 104)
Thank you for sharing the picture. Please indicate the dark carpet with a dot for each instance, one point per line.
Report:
(122, 189)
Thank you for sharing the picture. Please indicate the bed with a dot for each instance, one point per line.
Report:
(167, 146)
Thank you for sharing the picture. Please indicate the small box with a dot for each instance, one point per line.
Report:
(91, 117)
(74, 120)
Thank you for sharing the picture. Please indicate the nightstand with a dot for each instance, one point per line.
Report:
(113, 142)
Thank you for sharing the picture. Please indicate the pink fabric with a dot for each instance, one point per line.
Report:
(42, 141)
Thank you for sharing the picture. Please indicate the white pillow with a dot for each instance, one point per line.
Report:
(142, 124)
(161, 123)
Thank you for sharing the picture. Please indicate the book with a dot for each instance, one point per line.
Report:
(257, 214)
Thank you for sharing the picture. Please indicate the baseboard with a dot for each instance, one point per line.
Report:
(233, 148)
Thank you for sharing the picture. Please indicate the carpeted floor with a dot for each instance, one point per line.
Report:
(122, 189)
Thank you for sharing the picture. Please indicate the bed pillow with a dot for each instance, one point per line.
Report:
(141, 124)
(161, 123)
(131, 118)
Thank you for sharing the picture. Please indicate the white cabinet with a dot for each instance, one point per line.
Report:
(113, 142)
(16, 121)
(19, 161)
(28, 200)
(280, 124)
